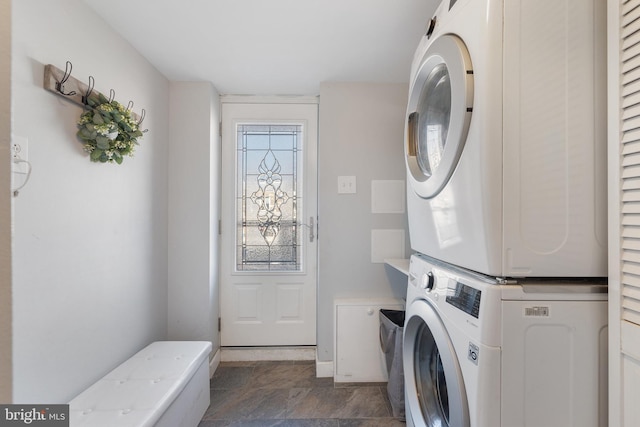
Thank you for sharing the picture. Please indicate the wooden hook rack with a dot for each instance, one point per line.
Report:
(74, 89)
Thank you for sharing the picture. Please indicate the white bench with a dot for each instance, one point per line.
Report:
(164, 384)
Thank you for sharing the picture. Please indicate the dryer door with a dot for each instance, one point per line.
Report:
(435, 393)
(438, 114)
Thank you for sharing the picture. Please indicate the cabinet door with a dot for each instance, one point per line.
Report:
(358, 357)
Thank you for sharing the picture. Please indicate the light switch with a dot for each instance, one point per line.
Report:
(346, 184)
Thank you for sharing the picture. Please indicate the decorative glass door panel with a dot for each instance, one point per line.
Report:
(269, 197)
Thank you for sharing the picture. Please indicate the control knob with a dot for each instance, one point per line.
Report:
(427, 281)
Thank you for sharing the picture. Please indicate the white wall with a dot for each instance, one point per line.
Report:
(5, 202)
(194, 212)
(90, 240)
(361, 135)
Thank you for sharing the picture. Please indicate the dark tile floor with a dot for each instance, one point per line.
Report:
(288, 394)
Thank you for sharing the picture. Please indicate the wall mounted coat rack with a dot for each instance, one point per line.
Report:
(63, 84)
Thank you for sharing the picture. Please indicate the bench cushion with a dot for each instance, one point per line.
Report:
(140, 390)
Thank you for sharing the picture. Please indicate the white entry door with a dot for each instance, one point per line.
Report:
(269, 209)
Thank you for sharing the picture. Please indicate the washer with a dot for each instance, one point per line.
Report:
(478, 353)
(506, 138)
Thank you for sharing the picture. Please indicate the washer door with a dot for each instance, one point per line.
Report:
(435, 393)
(438, 114)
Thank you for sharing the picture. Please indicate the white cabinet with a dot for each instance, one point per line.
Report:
(357, 353)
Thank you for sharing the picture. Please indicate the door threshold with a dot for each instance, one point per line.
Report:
(255, 354)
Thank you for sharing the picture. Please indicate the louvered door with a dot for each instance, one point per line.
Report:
(624, 67)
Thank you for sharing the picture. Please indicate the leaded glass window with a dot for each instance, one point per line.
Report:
(268, 197)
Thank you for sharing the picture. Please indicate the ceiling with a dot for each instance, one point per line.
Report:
(273, 47)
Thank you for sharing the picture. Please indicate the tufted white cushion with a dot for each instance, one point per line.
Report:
(139, 391)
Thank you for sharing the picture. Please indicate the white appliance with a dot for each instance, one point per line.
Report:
(506, 138)
(482, 354)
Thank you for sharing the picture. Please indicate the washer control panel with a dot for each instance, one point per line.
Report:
(465, 298)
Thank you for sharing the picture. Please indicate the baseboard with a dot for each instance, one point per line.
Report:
(214, 363)
(324, 369)
(253, 354)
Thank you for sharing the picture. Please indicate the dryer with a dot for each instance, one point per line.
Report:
(478, 353)
(506, 138)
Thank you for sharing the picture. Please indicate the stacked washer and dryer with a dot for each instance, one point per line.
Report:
(506, 322)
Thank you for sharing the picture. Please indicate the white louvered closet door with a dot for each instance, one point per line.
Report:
(624, 213)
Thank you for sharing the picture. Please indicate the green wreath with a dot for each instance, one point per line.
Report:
(108, 131)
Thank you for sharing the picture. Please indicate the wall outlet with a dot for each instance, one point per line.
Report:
(20, 151)
(346, 184)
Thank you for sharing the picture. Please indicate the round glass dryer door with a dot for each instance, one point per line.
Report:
(435, 391)
(438, 115)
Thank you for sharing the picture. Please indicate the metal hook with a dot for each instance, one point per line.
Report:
(85, 98)
(130, 106)
(143, 113)
(112, 95)
(65, 77)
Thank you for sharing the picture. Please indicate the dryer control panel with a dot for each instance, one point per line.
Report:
(465, 298)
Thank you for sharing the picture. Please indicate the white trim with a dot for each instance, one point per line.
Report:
(324, 369)
(6, 238)
(275, 99)
(613, 154)
(214, 363)
(254, 354)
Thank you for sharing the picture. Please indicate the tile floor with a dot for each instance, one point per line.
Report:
(288, 394)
